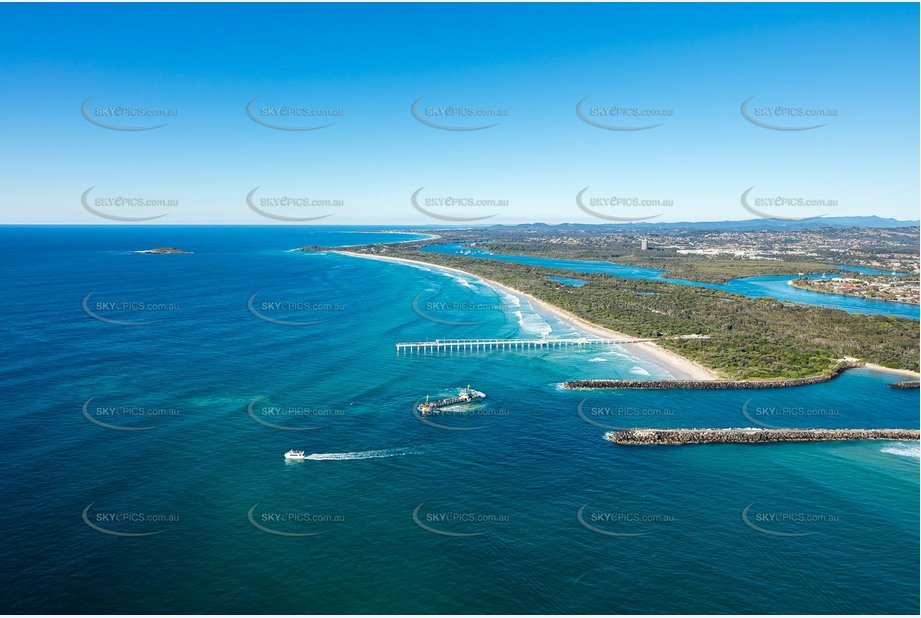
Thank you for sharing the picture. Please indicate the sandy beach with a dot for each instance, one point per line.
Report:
(678, 366)
(874, 367)
(914, 375)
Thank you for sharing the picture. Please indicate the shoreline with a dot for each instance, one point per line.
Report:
(901, 372)
(882, 300)
(389, 242)
(711, 384)
(678, 366)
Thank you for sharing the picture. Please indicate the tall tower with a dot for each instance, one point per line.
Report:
(644, 245)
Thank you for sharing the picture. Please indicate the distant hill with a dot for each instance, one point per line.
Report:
(746, 225)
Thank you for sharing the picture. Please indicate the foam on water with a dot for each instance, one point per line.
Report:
(597, 359)
(461, 280)
(905, 449)
(639, 371)
(529, 321)
(216, 401)
(387, 452)
(509, 300)
(471, 282)
(533, 323)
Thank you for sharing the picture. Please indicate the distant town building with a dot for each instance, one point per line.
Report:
(644, 245)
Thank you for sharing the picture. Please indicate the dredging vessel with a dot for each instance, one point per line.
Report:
(467, 395)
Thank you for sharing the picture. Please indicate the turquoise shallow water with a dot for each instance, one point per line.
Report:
(775, 287)
(177, 428)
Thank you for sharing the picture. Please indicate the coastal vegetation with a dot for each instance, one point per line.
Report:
(879, 287)
(706, 269)
(760, 338)
(708, 252)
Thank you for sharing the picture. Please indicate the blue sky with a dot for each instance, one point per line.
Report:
(696, 64)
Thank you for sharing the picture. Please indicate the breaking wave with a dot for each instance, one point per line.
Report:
(905, 449)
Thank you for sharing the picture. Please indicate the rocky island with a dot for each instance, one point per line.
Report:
(163, 250)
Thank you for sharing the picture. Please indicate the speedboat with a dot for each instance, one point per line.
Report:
(292, 454)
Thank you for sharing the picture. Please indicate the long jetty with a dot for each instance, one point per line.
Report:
(474, 345)
(753, 435)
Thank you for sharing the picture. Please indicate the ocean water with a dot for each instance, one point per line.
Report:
(150, 398)
(774, 287)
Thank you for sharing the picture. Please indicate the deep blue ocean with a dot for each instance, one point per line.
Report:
(149, 400)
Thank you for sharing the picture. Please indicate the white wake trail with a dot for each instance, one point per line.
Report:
(388, 452)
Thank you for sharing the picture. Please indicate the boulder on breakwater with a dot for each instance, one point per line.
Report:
(709, 384)
(906, 384)
(753, 435)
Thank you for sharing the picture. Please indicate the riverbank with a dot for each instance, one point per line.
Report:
(679, 367)
(810, 285)
(752, 435)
